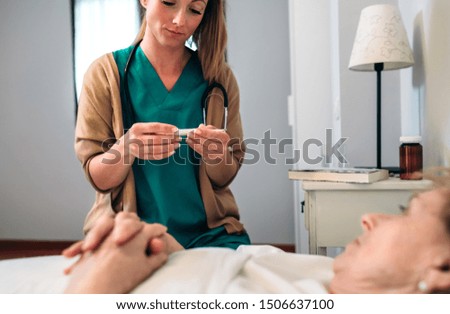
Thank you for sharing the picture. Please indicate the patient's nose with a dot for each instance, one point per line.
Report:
(370, 221)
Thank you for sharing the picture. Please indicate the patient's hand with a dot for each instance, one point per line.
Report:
(123, 227)
(113, 268)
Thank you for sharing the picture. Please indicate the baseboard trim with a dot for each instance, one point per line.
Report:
(29, 248)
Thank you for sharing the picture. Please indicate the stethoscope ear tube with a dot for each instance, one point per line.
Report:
(205, 97)
(127, 109)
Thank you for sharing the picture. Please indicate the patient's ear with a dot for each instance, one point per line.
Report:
(438, 277)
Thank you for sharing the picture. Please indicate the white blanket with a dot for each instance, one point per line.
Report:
(250, 269)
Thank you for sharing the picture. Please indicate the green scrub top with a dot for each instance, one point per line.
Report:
(168, 190)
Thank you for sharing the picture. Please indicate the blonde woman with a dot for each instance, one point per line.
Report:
(127, 135)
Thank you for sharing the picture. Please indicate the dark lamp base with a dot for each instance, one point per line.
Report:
(392, 170)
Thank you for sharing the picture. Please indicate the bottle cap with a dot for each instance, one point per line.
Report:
(410, 139)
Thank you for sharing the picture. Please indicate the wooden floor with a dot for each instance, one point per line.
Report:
(23, 248)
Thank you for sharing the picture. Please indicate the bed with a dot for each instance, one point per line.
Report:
(249, 269)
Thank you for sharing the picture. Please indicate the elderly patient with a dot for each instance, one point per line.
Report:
(408, 253)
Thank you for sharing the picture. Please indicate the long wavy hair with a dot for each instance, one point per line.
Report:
(210, 38)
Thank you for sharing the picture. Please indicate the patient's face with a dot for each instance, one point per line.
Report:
(393, 251)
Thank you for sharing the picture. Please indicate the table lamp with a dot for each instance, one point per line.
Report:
(380, 44)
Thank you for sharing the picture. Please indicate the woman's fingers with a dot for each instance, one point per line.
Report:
(153, 141)
(127, 225)
(157, 139)
(154, 147)
(154, 152)
(73, 250)
(152, 231)
(156, 246)
(124, 226)
(98, 233)
(156, 260)
(126, 230)
(154, 128)
(211, 143)
(68, 270)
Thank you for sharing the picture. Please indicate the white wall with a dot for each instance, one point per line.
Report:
(437, 82)
(258, 52)
(429, 101)
(412, 89)
(43, 193)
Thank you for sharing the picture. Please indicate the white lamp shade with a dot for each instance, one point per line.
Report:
(381, 38)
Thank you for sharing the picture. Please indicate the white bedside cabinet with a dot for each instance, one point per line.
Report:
(333, 210)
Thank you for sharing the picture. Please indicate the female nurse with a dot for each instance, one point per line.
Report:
(127, 127)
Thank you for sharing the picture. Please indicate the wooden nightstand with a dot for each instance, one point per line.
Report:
(333, 210)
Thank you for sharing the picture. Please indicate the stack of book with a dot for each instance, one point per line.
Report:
(350, 175)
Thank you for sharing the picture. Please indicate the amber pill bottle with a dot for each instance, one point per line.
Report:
(411, 158)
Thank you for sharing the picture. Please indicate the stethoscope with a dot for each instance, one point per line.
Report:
(127, 106)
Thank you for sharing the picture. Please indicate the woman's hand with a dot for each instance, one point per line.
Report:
(120, 229)
(116, 268)
(147, 141)
(127, 226)
(151, 141)
(211, 143)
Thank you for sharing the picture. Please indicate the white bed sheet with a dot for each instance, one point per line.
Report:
(250, 269)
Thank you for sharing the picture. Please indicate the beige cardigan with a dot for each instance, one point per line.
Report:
(99, 124)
